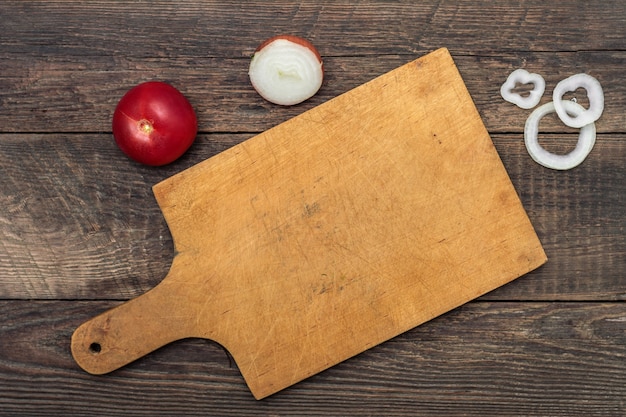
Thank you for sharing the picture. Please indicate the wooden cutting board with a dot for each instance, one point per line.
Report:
(330, 233)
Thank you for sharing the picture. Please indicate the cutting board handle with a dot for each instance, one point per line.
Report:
(131, 330)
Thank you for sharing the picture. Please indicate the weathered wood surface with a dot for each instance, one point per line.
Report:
(47, 94)
(66, 233)
(530, 359)
(80, 230)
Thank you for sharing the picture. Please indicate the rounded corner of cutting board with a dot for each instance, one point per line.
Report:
(159, 190)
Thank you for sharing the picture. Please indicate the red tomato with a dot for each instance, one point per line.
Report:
(154, 123)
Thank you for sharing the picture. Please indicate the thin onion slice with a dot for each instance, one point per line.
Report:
(286, 70)
(586, 138)
(594, 94)
(523, 77)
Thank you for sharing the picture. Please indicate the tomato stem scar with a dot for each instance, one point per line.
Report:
(145, 126)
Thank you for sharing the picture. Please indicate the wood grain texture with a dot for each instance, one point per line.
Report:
(373, 28)
(483, 359)
(69, 234)
(61, 61)
(59, 94)
(66, 233)
(78, 222)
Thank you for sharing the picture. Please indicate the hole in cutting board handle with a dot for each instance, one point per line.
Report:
(95, 348)
(131, 330)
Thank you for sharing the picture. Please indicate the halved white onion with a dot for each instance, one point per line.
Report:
(594, 94)
(586, 138)
(523, 77)
(286, 70)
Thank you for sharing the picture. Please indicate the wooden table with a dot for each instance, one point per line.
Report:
(80, 231)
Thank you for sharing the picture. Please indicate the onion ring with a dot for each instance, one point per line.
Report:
(586, 138)
(594, 93)
(524, 77)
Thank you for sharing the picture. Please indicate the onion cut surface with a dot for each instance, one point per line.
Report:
(286, 70)
(586, 138)
(523, 77)
(594, 94)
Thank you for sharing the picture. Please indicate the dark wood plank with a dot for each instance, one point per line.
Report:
(63, 94)
(484, 75)
(483, 359)
(219, 29)
(579, 217)
(80, 221)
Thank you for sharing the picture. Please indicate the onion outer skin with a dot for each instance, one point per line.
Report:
(586, 138)
(594, 93)
(522, 76)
